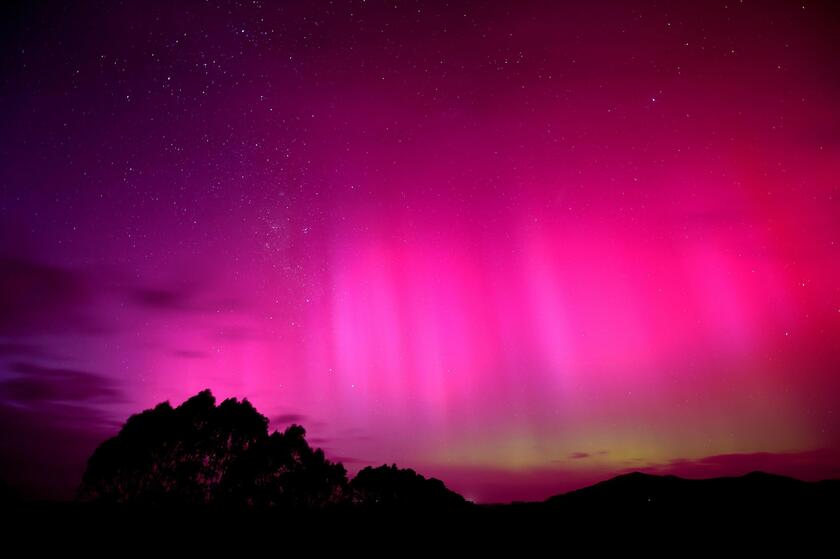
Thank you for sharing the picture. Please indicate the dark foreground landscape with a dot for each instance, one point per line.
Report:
(632, 511)
(206, 473)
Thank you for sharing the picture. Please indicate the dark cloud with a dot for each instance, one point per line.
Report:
(43, 450)
(355, 434)
(22, 349)
(307, 421)
(189, 297)
(347, 459)
(814, 464)
(49, 424)
(579, 455)
(36, 384)
(37, 297)
(163, 299)
(285, 419)
(190, 354)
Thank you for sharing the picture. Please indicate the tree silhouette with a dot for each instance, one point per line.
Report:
(389, 487)
(200, 453)
(282, 470)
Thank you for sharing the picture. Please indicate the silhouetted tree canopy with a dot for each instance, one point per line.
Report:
(200, 453)
(391, 487)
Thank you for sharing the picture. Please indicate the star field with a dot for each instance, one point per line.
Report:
(518, 246)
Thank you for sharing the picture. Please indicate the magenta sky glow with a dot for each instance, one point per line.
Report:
(517, 246)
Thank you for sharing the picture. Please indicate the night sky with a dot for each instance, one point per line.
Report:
(518, 246)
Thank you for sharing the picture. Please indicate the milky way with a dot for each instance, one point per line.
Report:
(517, 246)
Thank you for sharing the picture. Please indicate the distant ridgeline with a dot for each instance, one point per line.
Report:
(203, 454)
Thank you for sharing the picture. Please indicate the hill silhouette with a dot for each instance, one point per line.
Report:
(200, 453)
(754, 491)
(172, 473)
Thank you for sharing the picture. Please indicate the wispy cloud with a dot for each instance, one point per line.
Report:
(35, 384)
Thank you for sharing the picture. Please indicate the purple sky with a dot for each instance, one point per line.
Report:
(519, 246)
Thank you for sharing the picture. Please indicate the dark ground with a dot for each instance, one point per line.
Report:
(635, 511)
